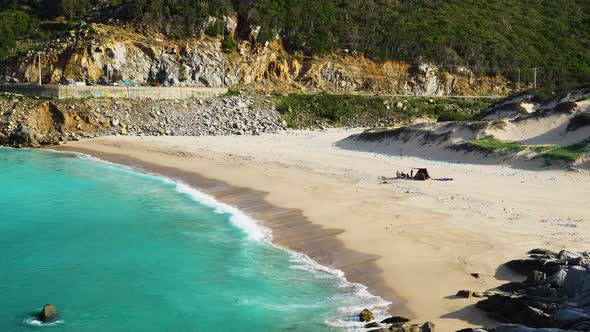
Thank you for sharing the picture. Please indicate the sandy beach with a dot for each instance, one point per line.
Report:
(413, 243)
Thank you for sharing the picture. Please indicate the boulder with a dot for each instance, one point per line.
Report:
(366, 315)
(395, 319)
(578, 261)
(24, 136)
(536, 276)
(515, 309)
(570, 315)
(373, 324)
(48, 314)
(428, 327)
(564, 254)
(465, 293)
(539, 251)
(557, 278)
(573, 280)
(546, 265)
(583, 298)
(525, 266)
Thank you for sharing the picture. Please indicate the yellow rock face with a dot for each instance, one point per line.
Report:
(125, 53)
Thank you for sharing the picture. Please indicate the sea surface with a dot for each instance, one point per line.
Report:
(118, 250)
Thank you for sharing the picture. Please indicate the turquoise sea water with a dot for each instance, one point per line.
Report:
(117, 250)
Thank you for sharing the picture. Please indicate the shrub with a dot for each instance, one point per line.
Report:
(579, 121)
(566, 107)
(229, 45)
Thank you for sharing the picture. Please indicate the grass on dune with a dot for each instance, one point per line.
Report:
(569, 153)
(494, 144)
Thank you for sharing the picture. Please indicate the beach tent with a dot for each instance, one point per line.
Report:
(422, 174)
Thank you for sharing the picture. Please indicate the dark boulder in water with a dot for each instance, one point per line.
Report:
(48, 314)
(366, 316)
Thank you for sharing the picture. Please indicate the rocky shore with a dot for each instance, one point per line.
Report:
(32, 123)
(555, 294)
(554, 297)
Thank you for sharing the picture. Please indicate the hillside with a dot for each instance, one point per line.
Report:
(98, 53)
(497, 37)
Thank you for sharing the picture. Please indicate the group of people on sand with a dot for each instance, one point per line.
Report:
(402, 175)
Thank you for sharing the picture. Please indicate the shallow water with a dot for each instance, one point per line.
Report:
(117, 250)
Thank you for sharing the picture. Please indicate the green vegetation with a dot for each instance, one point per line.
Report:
(229, 45)
(300, 110)
(493, 144)
(569, 153)
(14, 25)
(326, 109)
(487, 36)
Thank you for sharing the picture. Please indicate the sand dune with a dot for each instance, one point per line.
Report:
(554, 123)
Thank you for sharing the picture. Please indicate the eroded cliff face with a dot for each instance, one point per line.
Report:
(100, 53)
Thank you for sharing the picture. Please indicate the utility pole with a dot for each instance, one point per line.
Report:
(334, 74)
(39, 61)
(223, 71)
(535, 77)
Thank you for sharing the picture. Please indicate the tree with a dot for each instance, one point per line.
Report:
(72, 8)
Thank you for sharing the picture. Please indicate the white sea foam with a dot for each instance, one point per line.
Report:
(348, 318)
(256, 231)
(33, 321)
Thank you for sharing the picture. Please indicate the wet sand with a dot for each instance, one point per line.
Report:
(414, 243)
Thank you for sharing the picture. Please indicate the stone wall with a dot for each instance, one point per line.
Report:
(45, 91)
(77, 92)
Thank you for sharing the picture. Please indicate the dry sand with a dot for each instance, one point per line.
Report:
(416, 243)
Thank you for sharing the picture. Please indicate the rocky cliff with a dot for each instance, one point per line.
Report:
(98, 53)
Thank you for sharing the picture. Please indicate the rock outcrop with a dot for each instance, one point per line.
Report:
(401, 327)
(393, 324)
(99, 53)
(554, 297)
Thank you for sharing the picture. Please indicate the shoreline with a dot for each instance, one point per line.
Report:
(412, 243)
(290, 229)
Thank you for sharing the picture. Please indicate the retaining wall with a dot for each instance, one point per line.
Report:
(77, 92)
